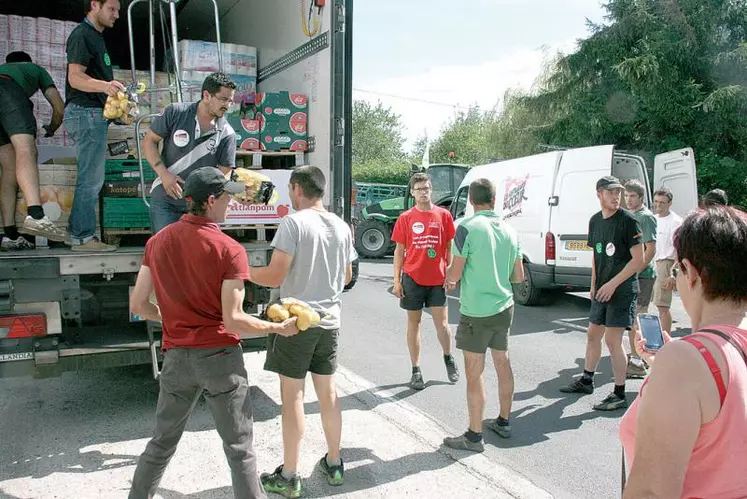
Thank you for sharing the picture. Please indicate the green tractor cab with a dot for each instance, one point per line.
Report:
(373, 232)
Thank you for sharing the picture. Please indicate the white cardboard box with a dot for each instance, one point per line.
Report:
(279, 206)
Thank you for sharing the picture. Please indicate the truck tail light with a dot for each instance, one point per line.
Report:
(23, 326)
(550, 248)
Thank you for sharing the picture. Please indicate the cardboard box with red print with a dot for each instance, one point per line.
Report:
(278, 207)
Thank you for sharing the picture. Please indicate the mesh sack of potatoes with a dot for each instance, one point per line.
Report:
(306, 317)
(259, 187)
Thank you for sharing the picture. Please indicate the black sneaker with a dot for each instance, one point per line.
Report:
(274, 482)
(612, 403)
(463, 443)
(416, 382)
(503, 431)
(578, 387)
(335, 474)
(452, 371)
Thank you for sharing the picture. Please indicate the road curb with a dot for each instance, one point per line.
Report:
(429, 431)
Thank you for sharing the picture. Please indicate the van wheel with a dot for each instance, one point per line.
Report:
(526, 293)
(372, 239)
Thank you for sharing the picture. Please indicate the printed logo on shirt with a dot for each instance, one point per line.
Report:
(181, 138)
(107, 60)
(610, 249)
(418, 228)
(599, 248)
(431, 253)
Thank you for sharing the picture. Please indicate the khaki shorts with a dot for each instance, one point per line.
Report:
(477, 334)
(663, 297)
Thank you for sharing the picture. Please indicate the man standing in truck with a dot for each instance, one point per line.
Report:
(193, 135)
(89, 81)
(617, 255)
(199, 288)
(423, 235)
(312, 262)
(634, 194)
(20, 79)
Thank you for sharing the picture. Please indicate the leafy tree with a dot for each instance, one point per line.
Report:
(466, 135)
(377, 134)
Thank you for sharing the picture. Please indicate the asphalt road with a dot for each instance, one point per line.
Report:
(558, 441)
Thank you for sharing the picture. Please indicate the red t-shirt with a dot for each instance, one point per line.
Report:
(426, 236)
(189, 260)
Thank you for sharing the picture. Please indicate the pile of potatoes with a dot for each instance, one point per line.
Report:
(259, 187)
(290, 307)
(120, 108)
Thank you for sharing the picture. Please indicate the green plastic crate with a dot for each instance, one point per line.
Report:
(125, 213)
(127, 169)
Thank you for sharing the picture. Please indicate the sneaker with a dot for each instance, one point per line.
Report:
(635, 370)
(94, 245)
(463, 443)
(502, 430)
(578, 387)
(15, 244)
(274, 482)
(452, 371)
(44, 228)
(611, 403)
(416, 382)
(335, 474)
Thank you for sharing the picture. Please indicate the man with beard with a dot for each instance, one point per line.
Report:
(90, 79)
(617, 254)
(194, 136)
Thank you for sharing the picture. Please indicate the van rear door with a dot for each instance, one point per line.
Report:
(675, 170)
(573, 203)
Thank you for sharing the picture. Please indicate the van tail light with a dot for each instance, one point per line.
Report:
(550, 248)
(23, 326)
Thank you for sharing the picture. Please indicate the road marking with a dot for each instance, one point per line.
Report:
(564, 323)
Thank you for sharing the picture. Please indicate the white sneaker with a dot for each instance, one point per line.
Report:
(21, 243)
(44, 228)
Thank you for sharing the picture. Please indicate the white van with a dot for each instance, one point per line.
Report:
(549, 198)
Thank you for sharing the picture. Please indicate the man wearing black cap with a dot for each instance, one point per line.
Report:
(617, 254)
(199, 290)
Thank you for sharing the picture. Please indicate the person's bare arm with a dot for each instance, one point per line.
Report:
(58, 110)
(275, 273)
(140, 303)
(517, 276)
(348, 273)
(399, 260)
(667, 424)
(246, 325)
(455, 270)
(79, 80)
(593, 292)
(605, 293)
(648, 253)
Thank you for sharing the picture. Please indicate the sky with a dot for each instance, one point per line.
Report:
(453, 54)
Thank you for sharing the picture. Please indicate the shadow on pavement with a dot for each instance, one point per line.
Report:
(533, 423)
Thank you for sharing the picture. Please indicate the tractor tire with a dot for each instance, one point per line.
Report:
(372, 239)
(526, 293)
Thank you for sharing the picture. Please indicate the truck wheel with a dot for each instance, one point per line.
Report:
(372, 239)
(526, 293)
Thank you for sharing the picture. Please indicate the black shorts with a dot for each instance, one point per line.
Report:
(313, 350)
(620, 311)
(646, 293)
(16, 111)
(417, 297)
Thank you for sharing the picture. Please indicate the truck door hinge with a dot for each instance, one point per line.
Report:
(553, 201)
(339, 132)
(340, 28)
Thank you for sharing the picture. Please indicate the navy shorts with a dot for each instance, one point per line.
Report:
(620, 311)
(418, 297)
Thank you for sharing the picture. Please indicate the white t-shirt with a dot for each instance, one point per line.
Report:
(665, 229)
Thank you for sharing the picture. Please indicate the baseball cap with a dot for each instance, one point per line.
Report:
(208, 180)
(608, 183)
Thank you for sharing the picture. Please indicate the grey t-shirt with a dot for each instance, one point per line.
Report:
(321, 247)
(186, 147)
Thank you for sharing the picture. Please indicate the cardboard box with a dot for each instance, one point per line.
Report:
(57, 186)
(276, 137)
(278, 207)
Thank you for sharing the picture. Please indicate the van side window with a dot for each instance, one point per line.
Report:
(459, 207)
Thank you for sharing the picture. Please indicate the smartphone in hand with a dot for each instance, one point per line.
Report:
(650, 328)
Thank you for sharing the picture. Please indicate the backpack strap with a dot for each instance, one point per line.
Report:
(712, 365)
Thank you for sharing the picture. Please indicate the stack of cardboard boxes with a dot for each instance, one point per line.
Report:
(276, 121)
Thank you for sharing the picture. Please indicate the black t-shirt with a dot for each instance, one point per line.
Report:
(611, 240)
(86, 47)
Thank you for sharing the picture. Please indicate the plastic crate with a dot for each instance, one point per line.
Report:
(127, 169)
(125, 213)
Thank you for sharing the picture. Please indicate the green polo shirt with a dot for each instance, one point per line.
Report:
(490, 247)
(647, 221)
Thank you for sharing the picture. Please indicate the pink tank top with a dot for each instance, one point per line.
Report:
(718, 466)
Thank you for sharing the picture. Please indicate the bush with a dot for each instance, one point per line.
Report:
(382, 173)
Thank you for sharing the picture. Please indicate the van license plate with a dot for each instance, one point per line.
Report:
(577, 246)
